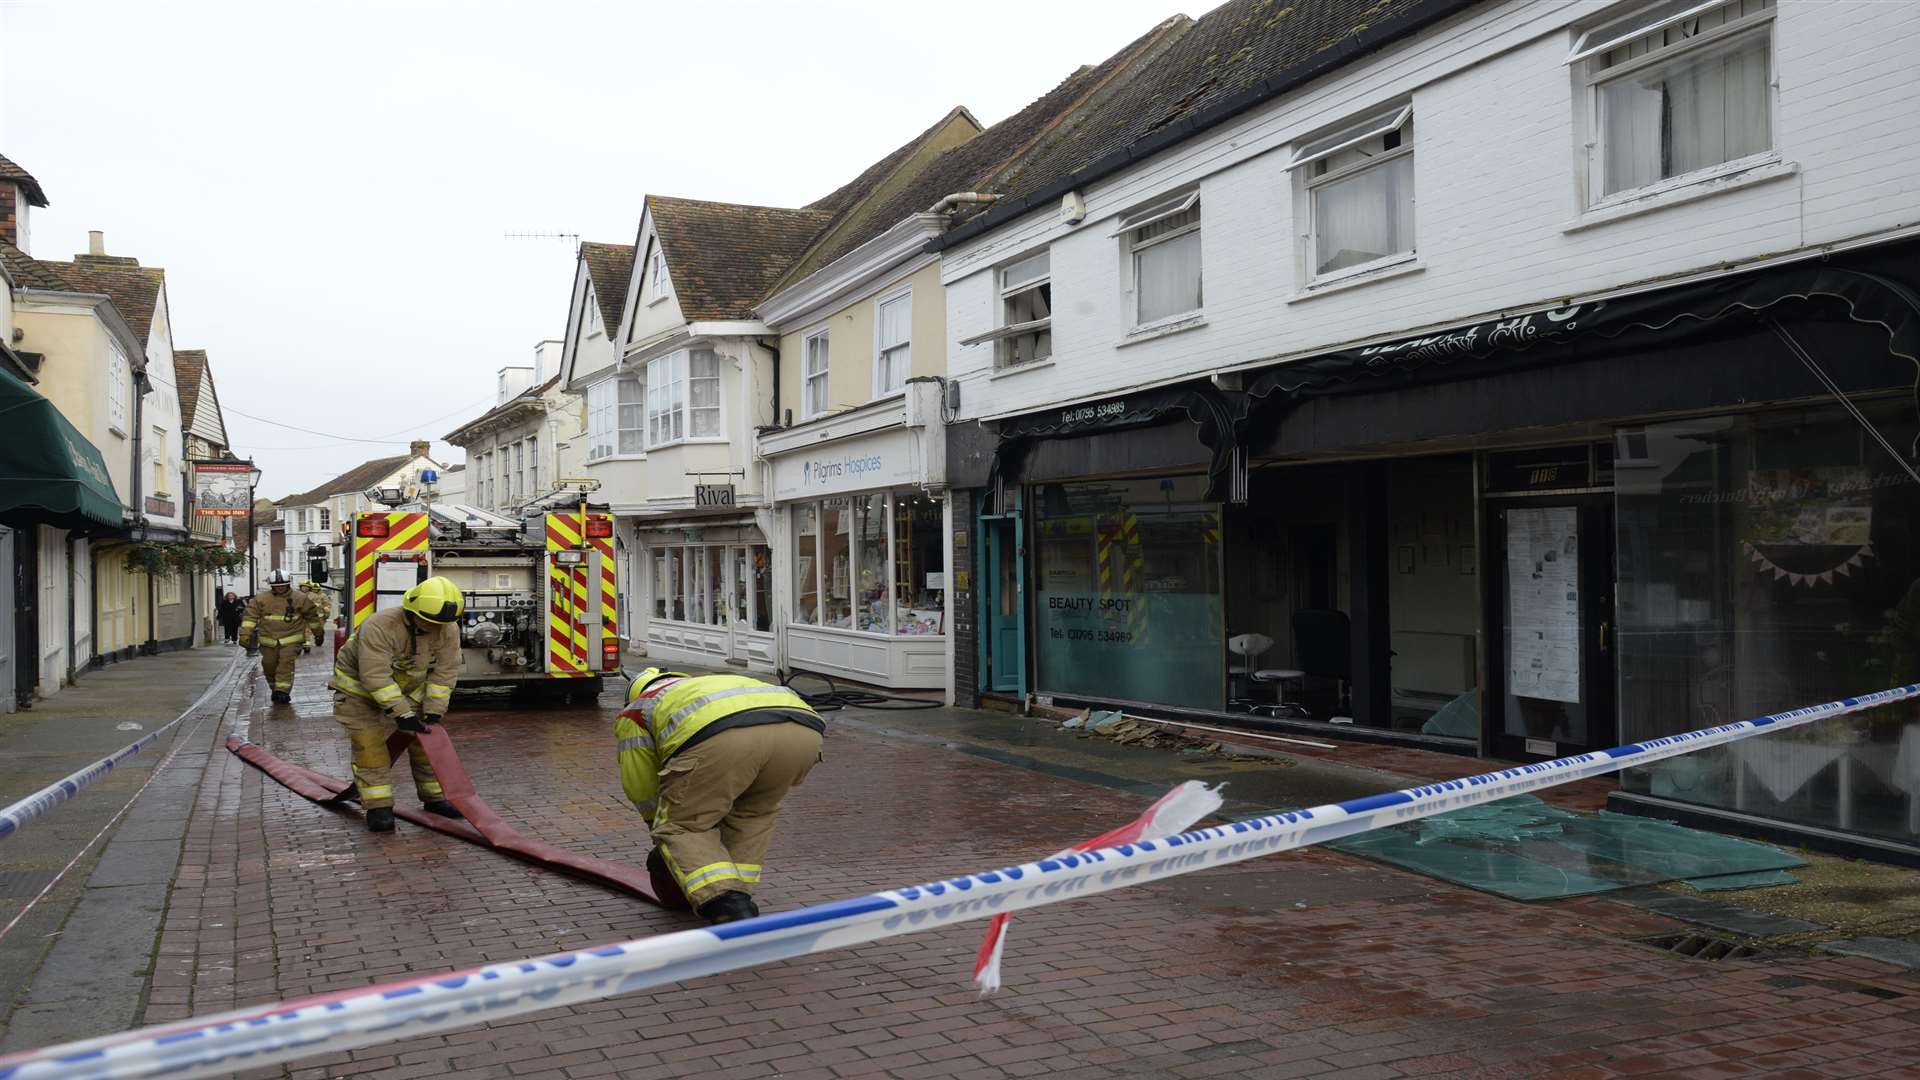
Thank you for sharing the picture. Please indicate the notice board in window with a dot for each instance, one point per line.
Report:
(1543, 603)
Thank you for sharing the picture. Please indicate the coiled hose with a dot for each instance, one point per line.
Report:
(833, 697)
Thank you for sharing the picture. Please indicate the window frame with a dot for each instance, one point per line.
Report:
(1002, 336)
(1377, 124)
(824, 336)
(1585, 60)
(1131, 247)
(881, 349)
(326, 520)
(678, 367)
(603, 418)
(659, 282)
(119, 373)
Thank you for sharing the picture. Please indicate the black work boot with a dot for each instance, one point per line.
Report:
(281, 697)
(441, 807)
(380, 819)
(729, 906)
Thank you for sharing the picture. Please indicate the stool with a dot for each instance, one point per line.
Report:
(1280, 677)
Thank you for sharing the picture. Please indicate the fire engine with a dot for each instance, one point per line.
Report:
(542, 596)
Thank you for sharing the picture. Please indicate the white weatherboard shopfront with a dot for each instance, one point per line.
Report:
(861, 562)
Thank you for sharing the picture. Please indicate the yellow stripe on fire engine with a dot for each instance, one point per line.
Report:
(563, 531)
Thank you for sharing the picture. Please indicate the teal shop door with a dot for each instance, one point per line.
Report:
(1004, 665)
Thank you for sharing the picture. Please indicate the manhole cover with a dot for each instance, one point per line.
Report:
(1703, 947)
(24, 882)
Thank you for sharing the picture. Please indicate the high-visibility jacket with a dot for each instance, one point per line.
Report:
(322, 603)
(390, 663)
(280, 620)
(677, 711)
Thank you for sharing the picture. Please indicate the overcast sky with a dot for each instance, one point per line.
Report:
(327, 185)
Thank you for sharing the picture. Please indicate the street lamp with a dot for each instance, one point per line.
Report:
(253, 484)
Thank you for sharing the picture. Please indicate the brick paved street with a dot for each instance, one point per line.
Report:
(1311, 964)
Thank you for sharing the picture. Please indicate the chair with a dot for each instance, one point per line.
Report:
(1250, 647)
(1323, 647)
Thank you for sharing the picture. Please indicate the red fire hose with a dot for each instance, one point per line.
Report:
(482, 826)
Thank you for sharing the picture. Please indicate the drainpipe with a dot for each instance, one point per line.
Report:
(142, 386)
(954, 201)
(73, 555)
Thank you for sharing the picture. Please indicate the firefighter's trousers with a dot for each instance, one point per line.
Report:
(276, 662)
(367, 730)
(718, 800)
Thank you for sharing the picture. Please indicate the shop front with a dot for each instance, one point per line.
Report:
(1528, 538)
(706, 591)
(861, 551)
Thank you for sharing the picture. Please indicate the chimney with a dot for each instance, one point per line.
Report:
(96, 242)
(420, 447)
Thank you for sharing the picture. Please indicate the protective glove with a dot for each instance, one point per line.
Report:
(410, 723)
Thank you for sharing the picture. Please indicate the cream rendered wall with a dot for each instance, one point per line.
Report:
(648, 313)
(852, 349)
(73, 377)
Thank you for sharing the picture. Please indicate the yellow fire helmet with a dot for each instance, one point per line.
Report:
(436, 600)
(648, 677)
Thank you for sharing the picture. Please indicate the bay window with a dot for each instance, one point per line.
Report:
(1359, 182)
(683, 397)
(1676, 87)
(873, 562)
(614, 415)
(893, 329)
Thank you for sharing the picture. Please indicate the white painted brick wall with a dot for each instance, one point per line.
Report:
(1497, 180)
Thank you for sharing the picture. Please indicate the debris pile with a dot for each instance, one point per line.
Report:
(1130, 731)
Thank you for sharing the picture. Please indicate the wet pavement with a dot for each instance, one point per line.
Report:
(1307, 964)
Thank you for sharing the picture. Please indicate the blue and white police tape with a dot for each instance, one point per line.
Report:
(49, 797)
(215, 1045)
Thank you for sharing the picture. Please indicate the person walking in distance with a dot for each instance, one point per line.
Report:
(398, 670)
(708, 760)
(323, 604)
(230, 612)
(279, 623)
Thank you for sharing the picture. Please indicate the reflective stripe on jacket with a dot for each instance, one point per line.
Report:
(387, 662)
(676, 711)
(280, 620)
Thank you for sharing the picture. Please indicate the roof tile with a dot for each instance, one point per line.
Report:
(724, 256)
(10, 171)
(609, 265)
(357, 479)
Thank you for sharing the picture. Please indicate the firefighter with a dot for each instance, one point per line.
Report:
(708, 760)
(279, 624)
(398, 670)
(323, 604)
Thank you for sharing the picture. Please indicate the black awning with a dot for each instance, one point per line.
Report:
(1215, 413)
(1802, 291)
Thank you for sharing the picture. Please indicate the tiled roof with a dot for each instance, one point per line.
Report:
(359, 478)
(977, 164)
(608, 265)
(28, 272)
(1233, 57)
(849, 194)
(188, 366)
(10, 171)
(135, 289)
(536, 393)
(724, 256)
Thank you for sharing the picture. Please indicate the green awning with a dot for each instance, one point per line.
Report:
(49, 473)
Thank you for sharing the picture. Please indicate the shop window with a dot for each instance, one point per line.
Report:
(720, 607)
(1677, 87)
(762, 573)
(836, 563)
(920, 565)
(882, 568)
(806, 563)
(1163, 251)
(1129, 604)
(1766, 562)
(815, 397)
(1359, 182)
(1433, 597)
(893, 329)
(662, 584)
